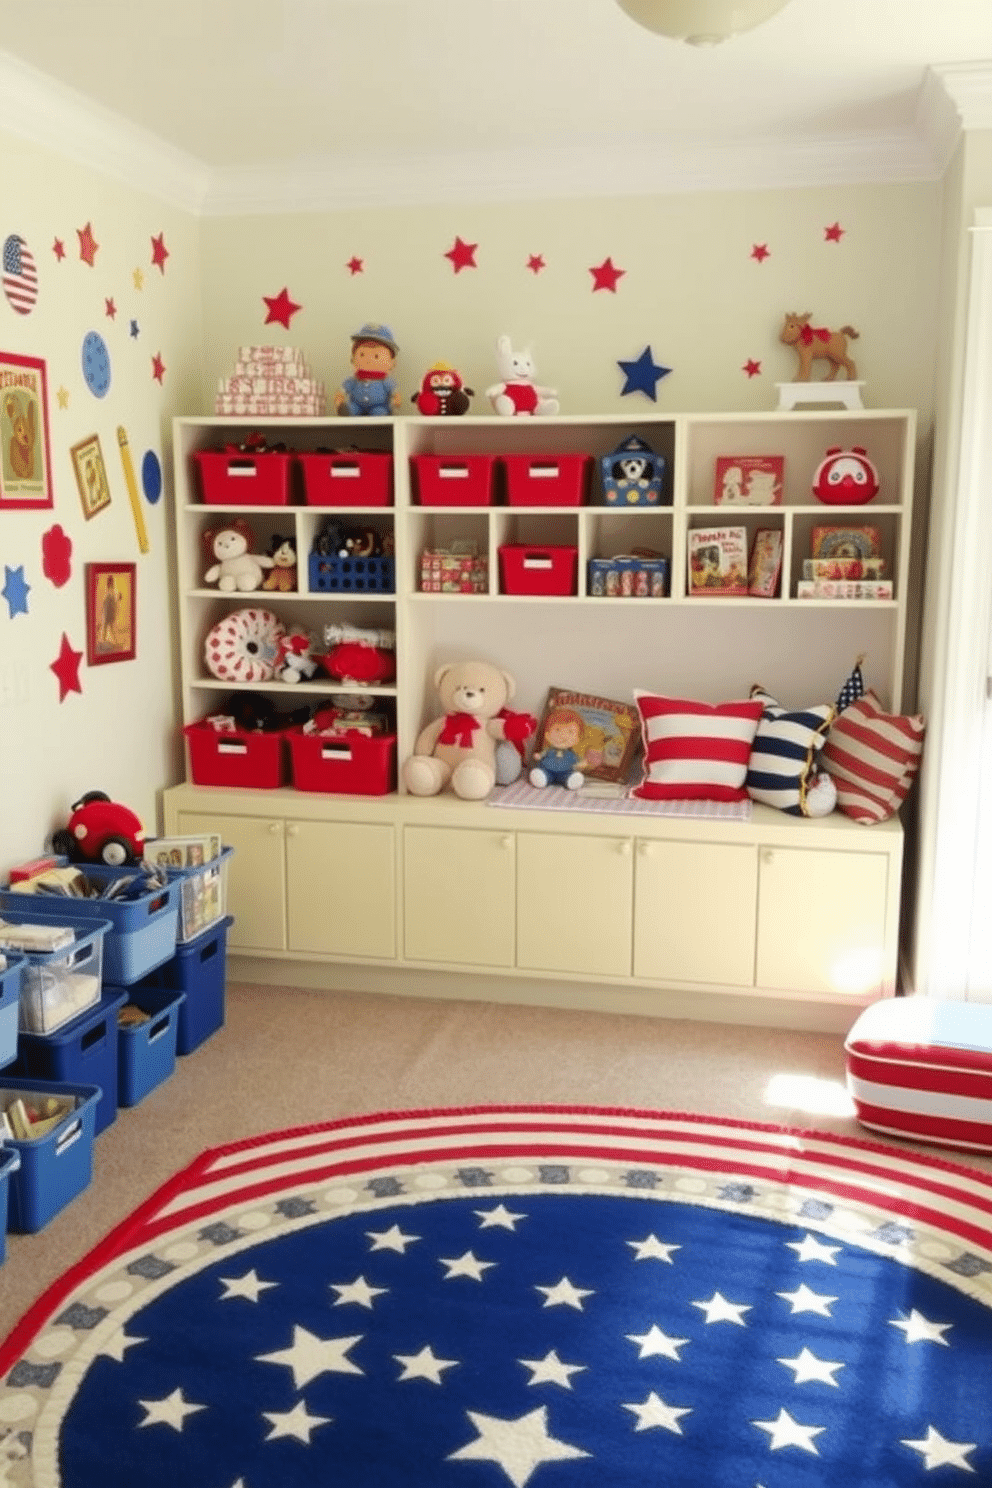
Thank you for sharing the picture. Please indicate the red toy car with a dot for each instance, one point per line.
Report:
(100, 831)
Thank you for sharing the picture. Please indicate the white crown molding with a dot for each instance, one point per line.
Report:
(956, 98)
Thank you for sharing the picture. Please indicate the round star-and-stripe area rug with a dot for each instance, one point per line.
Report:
(534, 1296)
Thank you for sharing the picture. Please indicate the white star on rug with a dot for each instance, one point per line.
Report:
(808, 1367)
(803, 1300)
(248, 1286)
(465, 1265)
(919, 1329)
(652, 1249)
(654, 1412)
(719, 1310)
(391, 1239)
(654, 1341)
(811, 1249)
(501, 1216)
(310, 1356)
(785, 1432)
(116, 1347)
(564, 1294)
(425, 1365)
(171, 1411)
(357, 1291)
(551, 1371)
(937, 1451)
(518, 1446)
(298, 1423)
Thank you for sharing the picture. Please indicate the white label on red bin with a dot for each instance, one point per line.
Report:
(544, 472)
(234, 747)
(538, 563)
(336, 752)
(240, 468)
(453, 472)
(345, 470)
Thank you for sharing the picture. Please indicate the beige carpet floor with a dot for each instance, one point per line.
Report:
(290, 1057)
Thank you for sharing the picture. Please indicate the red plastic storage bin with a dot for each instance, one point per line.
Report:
(534, 569)
(347, 478)
(234, 757)
(454, 480)
(547, 480)
(233, 477)
(349, 763)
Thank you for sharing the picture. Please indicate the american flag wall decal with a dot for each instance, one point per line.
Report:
(20, 276)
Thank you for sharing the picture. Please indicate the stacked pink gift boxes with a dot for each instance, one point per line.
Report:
(271, 380)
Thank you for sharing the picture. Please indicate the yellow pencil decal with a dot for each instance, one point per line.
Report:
(132, 490)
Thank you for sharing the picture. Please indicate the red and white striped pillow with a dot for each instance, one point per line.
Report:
(695, 751)
(873, 757)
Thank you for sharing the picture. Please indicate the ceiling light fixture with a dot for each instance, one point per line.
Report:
(700, 22)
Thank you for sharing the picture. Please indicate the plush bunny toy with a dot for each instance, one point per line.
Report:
(518, 393)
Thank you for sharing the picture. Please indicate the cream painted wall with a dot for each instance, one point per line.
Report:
(118, 732)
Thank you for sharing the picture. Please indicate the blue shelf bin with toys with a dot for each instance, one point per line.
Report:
(83, 1052)
(57, 985)
(10, 1161)
(146, 1051)
(10, 1004)
(199, 969)
(54, 1168)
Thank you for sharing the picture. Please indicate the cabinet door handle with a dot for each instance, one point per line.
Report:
(768, 855)
(292, 830)
(506, 842)
(644, 849)
(624, 847)
(275, 828)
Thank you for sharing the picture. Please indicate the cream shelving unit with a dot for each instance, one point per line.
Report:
(680, 906)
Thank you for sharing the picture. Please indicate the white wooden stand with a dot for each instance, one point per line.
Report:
(819, 394)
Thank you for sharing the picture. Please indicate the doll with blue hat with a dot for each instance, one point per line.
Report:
(370, 390)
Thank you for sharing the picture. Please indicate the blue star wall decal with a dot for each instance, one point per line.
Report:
(643, 375)
(15, 591)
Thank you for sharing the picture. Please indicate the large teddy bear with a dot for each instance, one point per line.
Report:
(459, 748)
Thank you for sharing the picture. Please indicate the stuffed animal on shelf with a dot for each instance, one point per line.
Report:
(295, 660)
(817, 344)
(370, 390)
(442, 392)
(359, 655)
(519, 393)
(510, 750)
(282, 575)
(237, 569)
(559, 762)
(458, 750)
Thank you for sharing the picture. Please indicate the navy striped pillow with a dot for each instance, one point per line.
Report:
(783, 755)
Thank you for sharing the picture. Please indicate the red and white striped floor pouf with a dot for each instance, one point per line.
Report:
(921, 1068)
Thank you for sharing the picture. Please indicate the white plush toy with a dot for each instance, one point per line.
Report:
(518, 393)
(237, 570)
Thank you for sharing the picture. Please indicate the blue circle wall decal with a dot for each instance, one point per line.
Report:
(151, 476)
(96, 364)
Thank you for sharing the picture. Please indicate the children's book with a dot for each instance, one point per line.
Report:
(718, 560)
(766, 563)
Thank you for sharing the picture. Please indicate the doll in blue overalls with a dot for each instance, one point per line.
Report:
(558, 761)
(370, 391)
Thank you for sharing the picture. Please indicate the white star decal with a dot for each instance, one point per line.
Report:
(501, 1216)
(171, 1411)
(654, 1341)
(564, 1294)
(248, 1286)
(357, 1291)
(298, 1423)
(465, 1265)
(425, 1365)
(116, 1347)
(654, 1412)
(719, 1310)
(309, 1356)
(551, 1371)
(652, 1249)
(919, 1329)
(803, 1300)
(808, 1367)
(785, 1432)
(811, 1249)
(518, 1446)
(391, 1239)
(937, 1451)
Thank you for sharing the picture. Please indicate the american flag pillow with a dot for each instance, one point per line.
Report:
(873, 757)
(784, 752)
(695, 751)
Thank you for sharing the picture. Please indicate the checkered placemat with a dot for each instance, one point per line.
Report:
(557, 798)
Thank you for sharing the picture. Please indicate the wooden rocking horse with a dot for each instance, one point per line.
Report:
(814, 344)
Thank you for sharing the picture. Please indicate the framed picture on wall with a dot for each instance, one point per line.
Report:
(25, 459)
(91, 475)
(111, 612)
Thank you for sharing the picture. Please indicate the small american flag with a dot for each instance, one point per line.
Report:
(853, 688)
(20, 277)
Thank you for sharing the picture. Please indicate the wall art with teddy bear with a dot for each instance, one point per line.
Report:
(25, 462)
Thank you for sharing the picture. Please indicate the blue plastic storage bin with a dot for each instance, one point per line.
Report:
(59, 985)
(55, 1168)
(146, 1052)
(10, 1161)
(10, 997)
(83, 1052)
(142, 931)
(200, 970)
(202, 895)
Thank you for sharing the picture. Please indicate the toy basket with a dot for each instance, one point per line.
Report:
(232, 477)
(253, 760)
(453, 480)
(347, 478)
(547, 480)
(57, 1167)
(59, 985)
(10, 998)
(146, 1052)
(348, 763)
(203, 895)
(82, 1052)
(333, 575)
(538, 570)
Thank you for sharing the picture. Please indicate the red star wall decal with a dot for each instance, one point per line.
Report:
(752, 368)
(536, 263)
(111, 309)
(88, 244)
(281, 308)
(606, 275)
(760, 252)
(462, 255)
(66, 668)
(355, 266)
(833, 233)
(158, 367)
(58, 248)
(159, 253)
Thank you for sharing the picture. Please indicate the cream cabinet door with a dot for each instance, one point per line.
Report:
(695, 912)
(574, 901)
(822, 921)
(458, 896)
(341, 881)
(256, 877)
